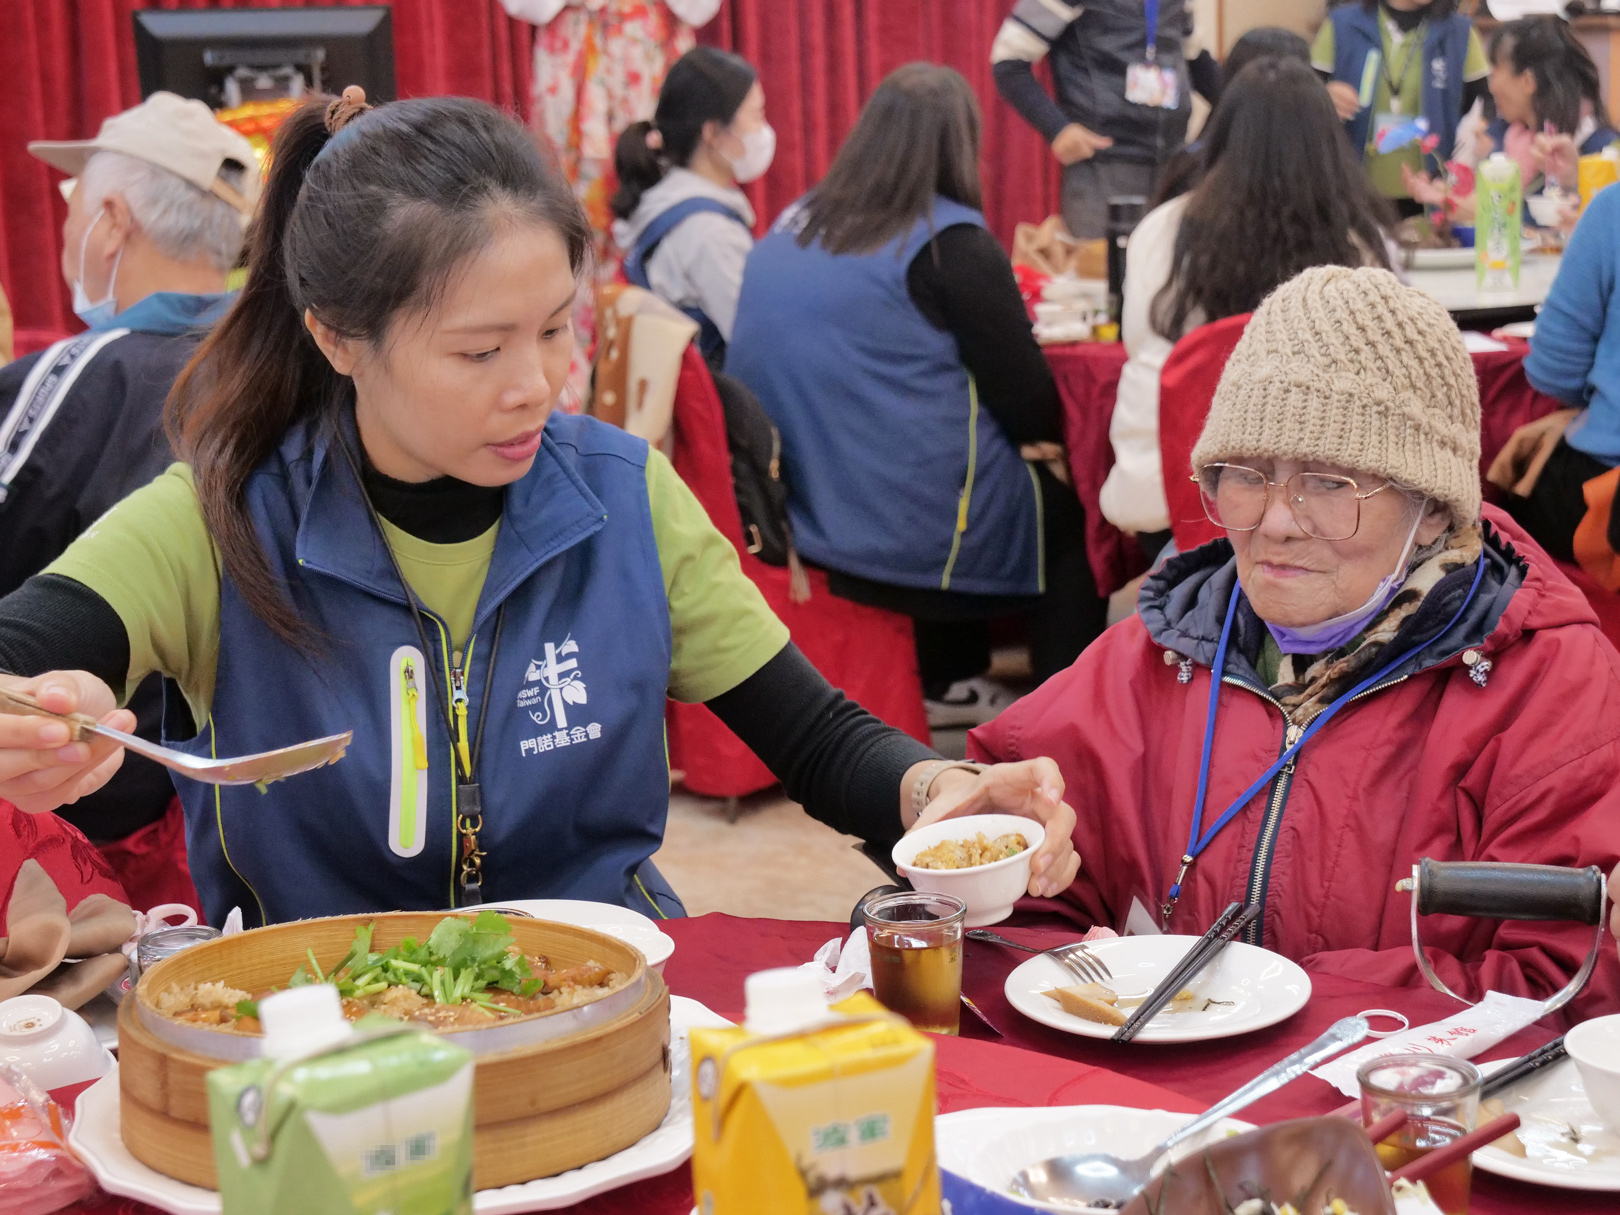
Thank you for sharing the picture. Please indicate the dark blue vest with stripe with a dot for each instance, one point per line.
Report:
(895, 470)
(635, 263)
(573, 772)
(1356, 33)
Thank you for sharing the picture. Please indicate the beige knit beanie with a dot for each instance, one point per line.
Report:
(1348, 367)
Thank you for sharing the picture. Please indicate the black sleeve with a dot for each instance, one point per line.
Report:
(52, 623)
(1473, 90)
(1205, 75)
(833, 757)
(1015, 81)
(967, 289)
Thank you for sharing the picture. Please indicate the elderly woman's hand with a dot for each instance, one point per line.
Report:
(1032, 789)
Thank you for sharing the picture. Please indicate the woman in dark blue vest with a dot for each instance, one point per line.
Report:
(684, 226)
(881, 328)
(1390, 61)
(382, 526)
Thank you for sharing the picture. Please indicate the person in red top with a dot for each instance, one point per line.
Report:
(1367, 671)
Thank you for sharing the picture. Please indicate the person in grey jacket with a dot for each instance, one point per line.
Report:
(1123, 92)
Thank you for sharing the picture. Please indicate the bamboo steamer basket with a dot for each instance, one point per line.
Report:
(538, 1109)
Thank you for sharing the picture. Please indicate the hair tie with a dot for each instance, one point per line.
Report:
(345, 109)
(655, 138)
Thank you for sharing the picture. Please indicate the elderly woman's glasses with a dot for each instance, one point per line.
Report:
(1326, 506)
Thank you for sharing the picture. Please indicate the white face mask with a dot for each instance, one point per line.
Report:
(759, 149)
(97, 314)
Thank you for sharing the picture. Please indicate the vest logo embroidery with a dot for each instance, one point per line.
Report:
(552, 684)
(1437, 73)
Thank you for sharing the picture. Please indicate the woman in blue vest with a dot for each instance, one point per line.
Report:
(382, 526)
(1389, 61)
(685, 227)
(882, 329)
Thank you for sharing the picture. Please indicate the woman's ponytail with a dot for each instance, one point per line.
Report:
(702, 86)
(638, 165)
(253, 378)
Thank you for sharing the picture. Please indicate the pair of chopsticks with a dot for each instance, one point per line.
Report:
(1231, 922)
(1542, 1056)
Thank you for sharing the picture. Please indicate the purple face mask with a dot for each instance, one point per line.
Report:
(1333, 633)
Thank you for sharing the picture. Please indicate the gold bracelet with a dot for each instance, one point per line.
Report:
(927, 777)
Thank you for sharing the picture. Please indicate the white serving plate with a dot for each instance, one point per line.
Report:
(97, 1140)
(1549, 1103)
(988, 1146)
(631, 927)
(1263, 987)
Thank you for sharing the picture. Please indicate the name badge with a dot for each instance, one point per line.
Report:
(1151, 84)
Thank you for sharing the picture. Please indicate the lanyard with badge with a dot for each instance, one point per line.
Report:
(1395, 76)
(1198, 839)
(1149, 82)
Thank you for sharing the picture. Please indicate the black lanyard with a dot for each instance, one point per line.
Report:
(1413, 42)
(469, 797)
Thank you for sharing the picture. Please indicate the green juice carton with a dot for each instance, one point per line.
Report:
(373, 1119)
(1497, 223)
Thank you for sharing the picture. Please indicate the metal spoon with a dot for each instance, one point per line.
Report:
(1089, 1179)
(243, 770)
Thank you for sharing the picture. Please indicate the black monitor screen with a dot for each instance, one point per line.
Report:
(228, 56)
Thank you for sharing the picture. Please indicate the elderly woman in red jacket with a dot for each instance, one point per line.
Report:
(1364, 673)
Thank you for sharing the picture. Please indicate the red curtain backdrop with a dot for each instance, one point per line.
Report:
(67, 64)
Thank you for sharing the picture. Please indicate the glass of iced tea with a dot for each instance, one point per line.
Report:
(916, 940)
(1441, 1100)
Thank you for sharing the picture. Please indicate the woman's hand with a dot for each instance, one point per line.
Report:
(1429, 191)
(1075, 143)
(40, 769)
(1346, 99)
(1033, 789)
(1559, 157)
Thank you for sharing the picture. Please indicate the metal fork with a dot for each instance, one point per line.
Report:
(1073, 957)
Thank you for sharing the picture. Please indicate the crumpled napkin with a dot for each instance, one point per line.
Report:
(843, 967)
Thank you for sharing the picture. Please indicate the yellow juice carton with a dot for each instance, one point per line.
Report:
(811, 1110)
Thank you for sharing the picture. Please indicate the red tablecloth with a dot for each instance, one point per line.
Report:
(1087, 375)
(715, 952)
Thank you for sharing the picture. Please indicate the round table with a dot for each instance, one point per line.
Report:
(1035, 1066)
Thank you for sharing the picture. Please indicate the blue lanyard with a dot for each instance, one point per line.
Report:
(1152, 29)
(1196, 841)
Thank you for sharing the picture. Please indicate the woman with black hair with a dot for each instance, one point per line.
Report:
(1280, 192)
(685, 227)
(1389, 61)
(882, 329)
(1549, 111)
(382, 526)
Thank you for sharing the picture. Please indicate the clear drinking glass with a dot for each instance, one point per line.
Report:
(916, 940)
(1441, 1100)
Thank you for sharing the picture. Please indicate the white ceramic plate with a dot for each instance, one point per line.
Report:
(97, 1140)
(988, 1146)
(1551, 1105)
(1262, 987)
(1443, 259)
(631, 927)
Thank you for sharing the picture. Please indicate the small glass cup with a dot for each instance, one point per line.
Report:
(916, 941)
(1441, 1100)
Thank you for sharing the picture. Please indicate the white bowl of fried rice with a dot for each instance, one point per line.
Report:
(977, 858)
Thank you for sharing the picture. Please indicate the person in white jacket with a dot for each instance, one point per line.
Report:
(1281, 192)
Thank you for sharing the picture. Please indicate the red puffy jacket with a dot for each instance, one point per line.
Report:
(1524, 768)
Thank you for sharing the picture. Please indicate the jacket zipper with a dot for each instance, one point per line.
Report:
(458, 707)
(1260, 866)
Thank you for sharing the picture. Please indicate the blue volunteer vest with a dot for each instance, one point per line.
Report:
(1445, 50)
(573, 771)
(895, 470)
(635, 262)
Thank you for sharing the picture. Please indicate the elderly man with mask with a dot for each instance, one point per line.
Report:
(1370, 669)
(158, 204)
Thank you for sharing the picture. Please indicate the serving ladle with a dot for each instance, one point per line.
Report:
(1101, 1179)
(258, 769)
